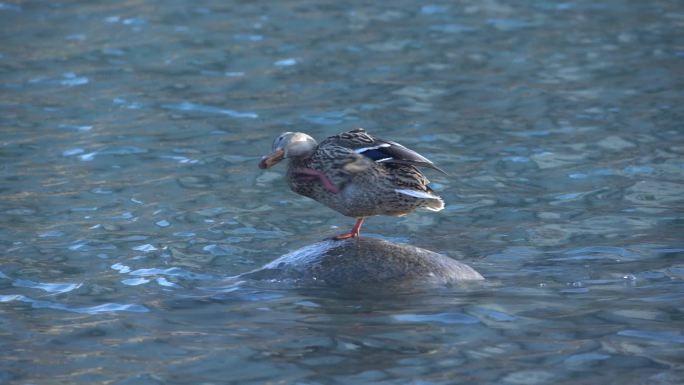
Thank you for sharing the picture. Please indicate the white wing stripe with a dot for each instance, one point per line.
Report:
(416, 194)
(364, 149)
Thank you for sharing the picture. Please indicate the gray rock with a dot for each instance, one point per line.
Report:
(363, 262)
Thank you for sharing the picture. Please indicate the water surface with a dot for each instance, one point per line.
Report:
(130, 133)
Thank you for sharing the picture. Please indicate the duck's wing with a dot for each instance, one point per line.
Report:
(408, 180)
(339, 160)
(379, 150)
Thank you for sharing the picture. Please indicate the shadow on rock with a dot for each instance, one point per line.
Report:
(363, 262)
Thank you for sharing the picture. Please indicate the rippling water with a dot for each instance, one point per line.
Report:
(130, 133)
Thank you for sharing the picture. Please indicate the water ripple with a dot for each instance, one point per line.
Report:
(123, 269)
(452, 28)
(509, 24)
(491, 314)
(187, 106)
(285, 62)
(104, 308)
(328, 117)
(171, 271)
(165, 282)
(660, 336)
(432, 9)
(443, 318)
(119, 150)
(135, 281)
(71, 79)
(55, 288)
(10, 7)
(146, 248)
(76, 127)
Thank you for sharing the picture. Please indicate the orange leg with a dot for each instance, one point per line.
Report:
(352, 234)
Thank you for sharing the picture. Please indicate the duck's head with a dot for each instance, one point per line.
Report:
(289, 145)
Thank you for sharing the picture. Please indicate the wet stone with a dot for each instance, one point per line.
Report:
(368, 262)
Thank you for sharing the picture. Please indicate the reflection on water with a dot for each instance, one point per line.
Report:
(129, 137)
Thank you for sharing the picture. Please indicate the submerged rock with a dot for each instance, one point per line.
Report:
(363, 262)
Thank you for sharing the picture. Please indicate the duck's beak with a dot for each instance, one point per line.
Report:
(272, 158)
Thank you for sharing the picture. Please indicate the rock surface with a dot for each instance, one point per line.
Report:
(364, 262)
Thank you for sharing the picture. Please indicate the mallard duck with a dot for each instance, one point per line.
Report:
(355, 174)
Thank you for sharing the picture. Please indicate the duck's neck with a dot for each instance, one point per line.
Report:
(295, 164)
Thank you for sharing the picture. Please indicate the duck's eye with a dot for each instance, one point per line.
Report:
(279, 141)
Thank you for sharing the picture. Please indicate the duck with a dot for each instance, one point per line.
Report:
(355, 174)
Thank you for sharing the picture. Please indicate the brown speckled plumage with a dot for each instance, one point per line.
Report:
(372, 176)
(365, 193)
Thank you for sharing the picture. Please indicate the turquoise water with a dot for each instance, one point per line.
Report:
(130, 134)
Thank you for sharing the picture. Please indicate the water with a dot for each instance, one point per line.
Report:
(130, 134)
